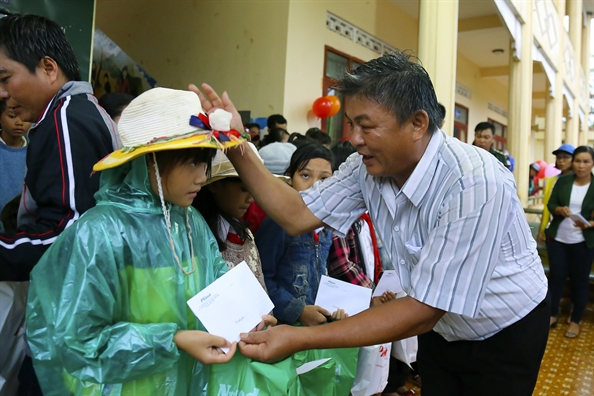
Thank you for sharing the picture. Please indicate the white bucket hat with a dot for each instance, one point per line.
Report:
(169, 119)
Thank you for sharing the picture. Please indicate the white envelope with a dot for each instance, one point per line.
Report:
(334, 294)
(232, 304)
(578, 218)
(390, 281)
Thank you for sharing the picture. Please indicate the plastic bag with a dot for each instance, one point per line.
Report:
(242, 376)
(13, 301)
(373, 368)
(334, 377)
(406, 350)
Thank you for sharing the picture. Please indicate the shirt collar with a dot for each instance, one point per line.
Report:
(224, 227)
(417, 185)
(22, 145)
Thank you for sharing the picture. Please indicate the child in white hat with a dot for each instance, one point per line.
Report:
(107, 309)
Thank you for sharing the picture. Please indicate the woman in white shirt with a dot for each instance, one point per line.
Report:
(570, 237)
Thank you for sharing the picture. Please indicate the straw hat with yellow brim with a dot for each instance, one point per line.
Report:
(223, 168)
(169, 119)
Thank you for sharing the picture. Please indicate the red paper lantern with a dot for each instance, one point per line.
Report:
(322, 107)
(335, 105)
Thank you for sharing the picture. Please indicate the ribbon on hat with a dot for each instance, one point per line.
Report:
(202, 121)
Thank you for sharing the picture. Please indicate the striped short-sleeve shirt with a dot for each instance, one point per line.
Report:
(456, 234)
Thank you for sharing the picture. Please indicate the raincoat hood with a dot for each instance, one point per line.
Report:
(128, 186)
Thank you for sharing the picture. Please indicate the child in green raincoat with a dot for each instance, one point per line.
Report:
(107, 312)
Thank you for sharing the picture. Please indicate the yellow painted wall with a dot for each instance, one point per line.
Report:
(484, 90)
(307, 36)
(238, 46)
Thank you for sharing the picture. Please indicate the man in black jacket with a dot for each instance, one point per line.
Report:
(40, 81)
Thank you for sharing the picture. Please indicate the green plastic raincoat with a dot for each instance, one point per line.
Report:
(107, 298)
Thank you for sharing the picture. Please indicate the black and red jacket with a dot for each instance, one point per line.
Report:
(73, 134)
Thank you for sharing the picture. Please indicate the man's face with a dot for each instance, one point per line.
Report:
(484, 139)
(387, 148)
(26, 93)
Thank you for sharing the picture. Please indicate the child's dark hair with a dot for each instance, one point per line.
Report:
(2, 106)
(210, 210)
(274, 135)
(306, 153)
(318, 135)
(169, 159)
(341, 151)
(115, 102)
(299, 140)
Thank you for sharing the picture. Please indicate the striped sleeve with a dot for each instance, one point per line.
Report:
(453, 271)
(338, 201)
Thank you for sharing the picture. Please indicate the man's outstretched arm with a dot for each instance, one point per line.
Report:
(280, 201)
(392, 321)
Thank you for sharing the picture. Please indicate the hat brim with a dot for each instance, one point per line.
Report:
(234, 174)
(120, 157)
(562, 151)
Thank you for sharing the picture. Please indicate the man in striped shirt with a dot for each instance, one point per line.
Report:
(448, 215)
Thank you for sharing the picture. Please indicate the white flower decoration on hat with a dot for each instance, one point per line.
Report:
(220, 120)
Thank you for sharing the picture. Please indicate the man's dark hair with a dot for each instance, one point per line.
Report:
(251, 125)
(442, 111)
(397, 83)
(115, 102)
(275, 119)
(27, 39)
(318, 135)
(481, 126)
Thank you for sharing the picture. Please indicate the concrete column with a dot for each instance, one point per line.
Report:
(585, 43)
(574, 11)
(554, 117)
(438, 48)
(585, 59)
(520, 109)
(572, 128)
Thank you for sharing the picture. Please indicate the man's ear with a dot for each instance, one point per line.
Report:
(50, 68)
(420, 124)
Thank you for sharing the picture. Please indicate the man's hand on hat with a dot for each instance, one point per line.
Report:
(210, 101)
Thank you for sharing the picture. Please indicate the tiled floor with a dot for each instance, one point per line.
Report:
(568, 364)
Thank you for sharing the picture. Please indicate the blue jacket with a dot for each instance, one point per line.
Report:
(292, 268)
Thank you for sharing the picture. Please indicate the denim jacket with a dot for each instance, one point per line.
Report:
(292, 266)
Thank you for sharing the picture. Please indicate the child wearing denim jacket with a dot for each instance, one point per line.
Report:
(294, 265)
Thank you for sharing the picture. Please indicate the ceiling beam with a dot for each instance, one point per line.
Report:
(497, 71)
(479, 23)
